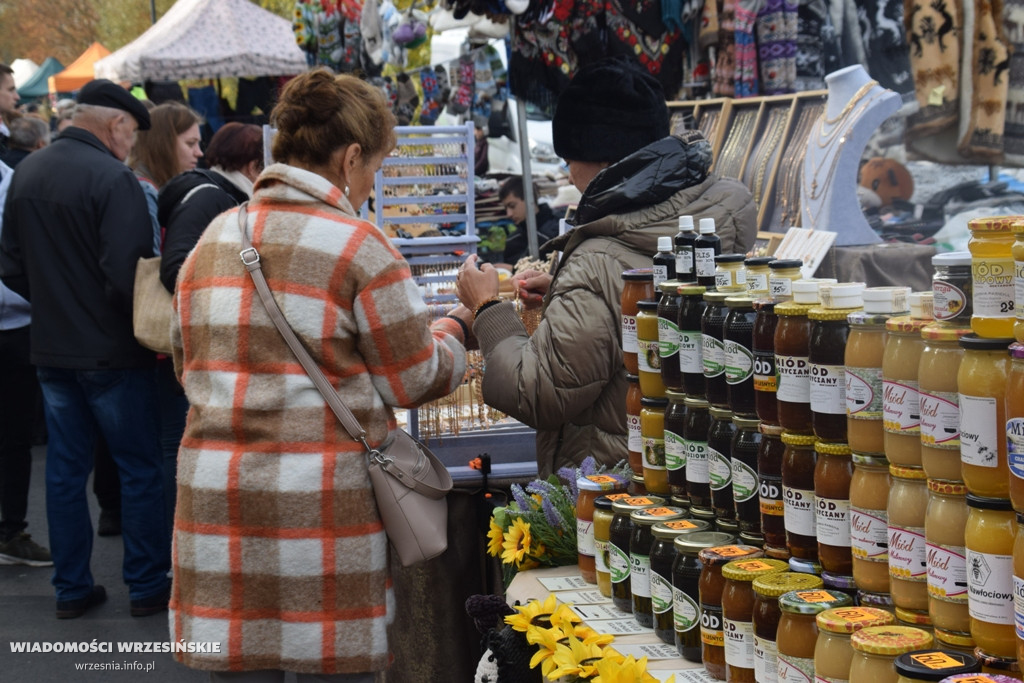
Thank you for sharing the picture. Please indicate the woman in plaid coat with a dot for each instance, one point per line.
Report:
(280, 558)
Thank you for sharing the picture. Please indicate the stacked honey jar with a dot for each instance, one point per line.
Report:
(826, 476)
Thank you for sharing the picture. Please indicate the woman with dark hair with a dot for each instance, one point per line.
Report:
(280, 557)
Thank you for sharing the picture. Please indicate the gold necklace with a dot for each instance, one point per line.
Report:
(787, 194)
(849, 105)
(813, 194)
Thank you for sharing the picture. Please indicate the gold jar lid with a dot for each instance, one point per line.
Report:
(770, 430)
(993, 224)
(795, 439)
(904, 472)
(748, 570)
(913, 617)
(938, 332)
(649, 516)
(947, 488)
(774, 585)
(851, 619)
(905, 324)
(791, 308)
(627, 505)
(826, 448)
(833, 314)
(890, 640)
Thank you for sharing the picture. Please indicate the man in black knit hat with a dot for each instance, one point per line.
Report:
(567, 380)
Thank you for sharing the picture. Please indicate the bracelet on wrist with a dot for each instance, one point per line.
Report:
(487, 304)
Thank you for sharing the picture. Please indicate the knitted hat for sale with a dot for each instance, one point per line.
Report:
(610, 109)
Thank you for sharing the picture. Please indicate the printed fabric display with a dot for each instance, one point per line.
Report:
(932, 29)
(983, 103)
(724, 73)
(885, 44)
(746, 49)
(636, 28)
(776, 40)
(1013, 136)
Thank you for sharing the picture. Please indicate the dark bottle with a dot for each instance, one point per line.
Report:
(620, 534)
(766, 379)
(684, 242)
(686, 569)
(664, 262)
(668, 335)
(720, 435)
(826, 356)
(695, 437)
(746, 442)
(691, 343)
(706, 247)
(712, 327)
(798, 495)
(769, 482)
(738, 335)
(675, 446)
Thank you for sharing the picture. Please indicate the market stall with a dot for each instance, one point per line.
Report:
(79, 72)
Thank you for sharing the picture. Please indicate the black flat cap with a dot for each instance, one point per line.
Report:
(104, 93)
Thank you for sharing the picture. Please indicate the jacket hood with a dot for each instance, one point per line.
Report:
(177, 187)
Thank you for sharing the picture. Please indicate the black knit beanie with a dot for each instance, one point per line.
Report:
(610, 109)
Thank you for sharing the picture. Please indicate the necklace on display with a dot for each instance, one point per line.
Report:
(833, 156)
(839, 122)
(849, 105)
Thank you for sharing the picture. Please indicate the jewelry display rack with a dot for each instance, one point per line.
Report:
(761, 142)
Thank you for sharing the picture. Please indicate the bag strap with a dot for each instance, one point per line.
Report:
(251, 260)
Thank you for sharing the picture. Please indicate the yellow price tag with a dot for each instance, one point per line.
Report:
(936, 660)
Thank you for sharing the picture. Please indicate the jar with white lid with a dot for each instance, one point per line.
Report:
(806, 291)
(842, 294)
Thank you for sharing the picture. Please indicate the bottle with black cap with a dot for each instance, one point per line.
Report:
(705, 248)
(684, 250)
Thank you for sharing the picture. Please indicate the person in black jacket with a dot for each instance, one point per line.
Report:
(75, 225)
(517, 245)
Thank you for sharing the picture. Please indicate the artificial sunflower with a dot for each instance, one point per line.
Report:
(495, 536)
(517, 542)
(564, 618)
(618, 670)
(546, 640)
(533, 614)
(575, 658)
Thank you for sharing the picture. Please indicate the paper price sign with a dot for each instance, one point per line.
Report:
(936, 660)
(730, 551)
(755, 566)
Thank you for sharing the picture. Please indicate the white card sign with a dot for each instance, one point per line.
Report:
(810, 246)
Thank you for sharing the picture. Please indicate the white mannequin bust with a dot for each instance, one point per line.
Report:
(856, 106)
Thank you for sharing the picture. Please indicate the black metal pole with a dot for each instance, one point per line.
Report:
(152, 11)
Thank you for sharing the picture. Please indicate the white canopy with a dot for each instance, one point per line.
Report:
(23, 70)
(208, 39)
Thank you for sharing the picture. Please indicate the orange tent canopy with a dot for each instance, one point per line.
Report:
(79, 72)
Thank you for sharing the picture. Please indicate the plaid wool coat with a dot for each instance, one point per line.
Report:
(279, 553)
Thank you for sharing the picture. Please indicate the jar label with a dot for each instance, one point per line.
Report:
(1015, 444)
(675, 451)
(697, 462)
(979, 442)
(993, 288)
(1018, 286)
(799, 515)
(629, 344)
(739, 363)
(780, 286)
(685, 611)
(940, 420)
(668, 337)
(794, 379)
(795, 669)
(660, 274)
(828, 389)
(723, 280)
(739, 643)
(704, 260)
(771, 496)
(1018, 607)
(714, 356)
(766, 660)
(765, 377)
(585, 536)
(947, 572)
(990, 595)
(869, 534)
(634, 441)
(948, 300)
(648, 355)
(691, 352)
(640, 575)
(744, 481)
(907, 558)
(711, 625)
(661, 593)
(901, 407)
(618, 563)
(757, 282)
(684, 261)
(832, 521)
(654, 453)
(601, 556)
(863, 393)
(719, 470)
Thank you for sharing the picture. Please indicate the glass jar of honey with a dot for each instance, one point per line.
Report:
(711, 587)
(766, 615)
(737, 614)
(634, 440)
(981, 383)
(945, 521)
(686, 572)
(652, 431)
(691, 344)
(712, 327)
(792, 343)
(827, 356)
(592, 487)
(951, 289)
(637, 285)
(901, 406)
(1018, 279)
(877, 647)
(720, 435)
(798, 464)
(798, 631)
(931, 666)
(641, 542)
(832, 474)
(648, 349)
(757, 275)
(939, 401)
(869, 534)
(833, 652)
(989, 539)
(602, 530)
(730, 273)
(620, 534)
(695, 438)
(1015, 424)
(782, 274)
(769, 481)
(908, 567)
(746, 442)
(992, 272)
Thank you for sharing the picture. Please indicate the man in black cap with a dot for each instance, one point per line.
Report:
(567, 380)
(75, 224)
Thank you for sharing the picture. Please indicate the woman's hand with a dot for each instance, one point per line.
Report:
(476, 283)
(531, 286)
(466, 316)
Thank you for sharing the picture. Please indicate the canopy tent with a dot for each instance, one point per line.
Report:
(208, 39)
(36, 85)
(80, 72)
(23, 70)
